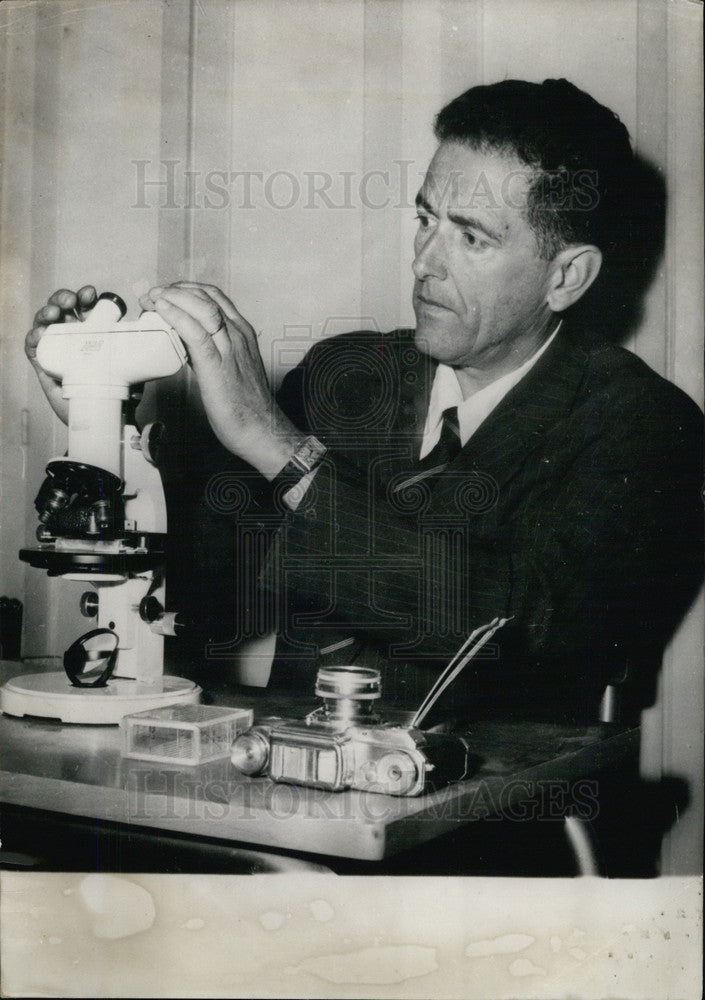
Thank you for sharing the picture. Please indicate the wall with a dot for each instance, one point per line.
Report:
(99, 98)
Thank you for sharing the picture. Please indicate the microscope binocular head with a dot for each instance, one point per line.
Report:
(104, 354)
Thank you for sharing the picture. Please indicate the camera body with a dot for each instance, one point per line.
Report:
(343, 744)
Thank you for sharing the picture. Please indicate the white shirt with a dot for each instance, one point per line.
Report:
(472, 411)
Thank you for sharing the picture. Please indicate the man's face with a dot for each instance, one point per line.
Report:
(481, 286)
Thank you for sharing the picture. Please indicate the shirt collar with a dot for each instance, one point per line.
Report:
(446, 392)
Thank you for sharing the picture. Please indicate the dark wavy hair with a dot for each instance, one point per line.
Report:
(579, 149)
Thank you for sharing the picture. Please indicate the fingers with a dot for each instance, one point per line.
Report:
(64, 298)
(195, 293)
(65, 301)
(227, 306)
(43, 317)
(62, 304)
(198, 305)
(198, 340)
(213, 292)
(47, 314)
(148, 300)
(30, 344)
(87, 297)
(207, 294)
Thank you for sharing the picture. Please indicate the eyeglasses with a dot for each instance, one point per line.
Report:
(90, 660)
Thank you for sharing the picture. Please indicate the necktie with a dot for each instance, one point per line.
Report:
(443, 452)
(448, 444)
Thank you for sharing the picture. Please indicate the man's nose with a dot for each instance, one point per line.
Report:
(430, 259)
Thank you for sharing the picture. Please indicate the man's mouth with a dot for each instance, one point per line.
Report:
(432, 303)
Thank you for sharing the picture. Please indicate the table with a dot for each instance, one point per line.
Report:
(78, 771)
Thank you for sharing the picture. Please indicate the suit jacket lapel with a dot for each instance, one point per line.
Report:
(500, 444)
(402, 439)
(521, 420)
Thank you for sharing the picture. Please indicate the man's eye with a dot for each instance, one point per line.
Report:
(424, 220)
(475, 241)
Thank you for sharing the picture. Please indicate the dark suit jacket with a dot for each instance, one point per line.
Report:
(574, 509)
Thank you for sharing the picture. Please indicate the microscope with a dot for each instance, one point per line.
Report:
(102, 515)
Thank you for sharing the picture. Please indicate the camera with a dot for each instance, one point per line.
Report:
(344, 744)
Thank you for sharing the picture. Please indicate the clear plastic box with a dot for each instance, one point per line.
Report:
(183, 734)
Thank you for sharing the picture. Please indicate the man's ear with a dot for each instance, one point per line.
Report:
(575, 269)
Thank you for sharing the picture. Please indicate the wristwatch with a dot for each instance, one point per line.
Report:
(304, 460)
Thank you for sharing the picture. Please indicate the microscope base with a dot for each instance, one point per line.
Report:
(52, 696)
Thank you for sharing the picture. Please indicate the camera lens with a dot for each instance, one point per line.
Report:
(349, 693)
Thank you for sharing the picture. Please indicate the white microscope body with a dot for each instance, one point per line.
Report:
(103, 515)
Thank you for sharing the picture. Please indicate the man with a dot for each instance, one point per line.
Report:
(490, 463)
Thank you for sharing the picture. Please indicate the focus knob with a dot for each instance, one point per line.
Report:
(152, 441)
(150, 608)
(89, 604)
(250, 752)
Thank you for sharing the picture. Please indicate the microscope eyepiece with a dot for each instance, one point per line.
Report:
(112, 297)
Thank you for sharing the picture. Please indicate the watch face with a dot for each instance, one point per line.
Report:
(309, 453)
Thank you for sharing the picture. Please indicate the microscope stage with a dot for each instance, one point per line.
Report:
(52, 696)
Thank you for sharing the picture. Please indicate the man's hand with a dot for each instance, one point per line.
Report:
(226, 360)
(62, 305)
